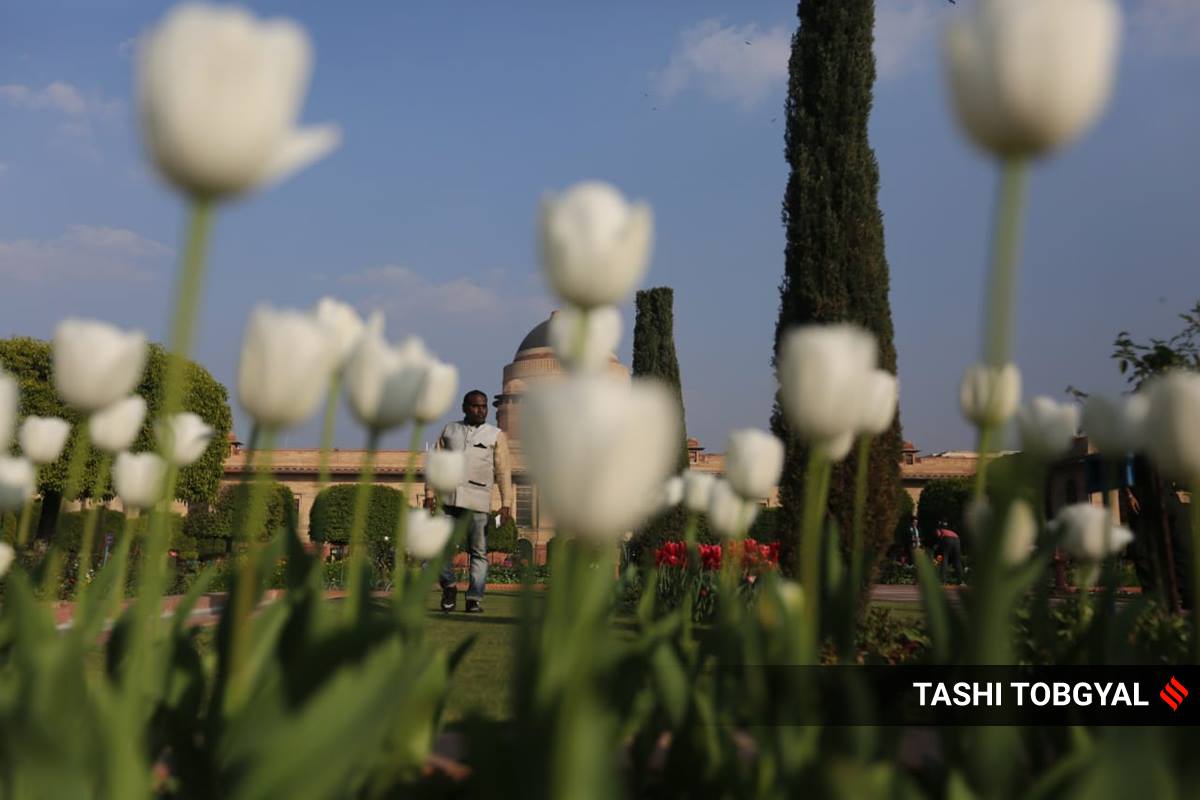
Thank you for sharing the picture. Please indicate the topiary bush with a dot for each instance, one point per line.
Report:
(502, 539)
(942, 498)
(222, 519)
(333, 513)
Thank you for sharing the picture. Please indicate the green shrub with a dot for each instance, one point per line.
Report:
(333, 513)
(222, 519)
(769, 526)
(942, 498)
(901, 540)
(502, 539)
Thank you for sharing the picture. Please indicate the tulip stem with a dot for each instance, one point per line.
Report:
(1002, 277)
(93, 513)
(401, 534)
(362, 507)
(151, 578)
(71, 487)
(187, 302)
(327, 428)
(815, 489)
(23, 522)
(860, 502)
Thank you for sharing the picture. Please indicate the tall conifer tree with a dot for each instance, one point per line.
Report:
(835, 265)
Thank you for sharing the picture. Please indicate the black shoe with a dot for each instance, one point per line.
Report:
(474, 607)
(450, 598)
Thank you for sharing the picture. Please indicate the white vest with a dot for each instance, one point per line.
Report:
(479, 447)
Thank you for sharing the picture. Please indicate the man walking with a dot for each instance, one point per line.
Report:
(485, 449)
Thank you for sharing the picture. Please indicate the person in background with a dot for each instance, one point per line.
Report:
(951, 548)
(914, 536)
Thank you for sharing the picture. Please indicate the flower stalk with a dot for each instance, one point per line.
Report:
(362, 504)
(816, 488)
(401, 533)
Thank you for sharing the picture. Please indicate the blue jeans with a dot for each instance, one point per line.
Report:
(476, 547)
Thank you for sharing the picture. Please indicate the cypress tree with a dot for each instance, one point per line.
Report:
(835, 266)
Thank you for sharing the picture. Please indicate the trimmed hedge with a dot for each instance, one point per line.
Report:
(220, 521)
(502, 539)
(333, 513)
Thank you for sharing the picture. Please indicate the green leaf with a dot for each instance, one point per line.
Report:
(937, 609)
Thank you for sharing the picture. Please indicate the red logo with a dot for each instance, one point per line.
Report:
(1173, 693)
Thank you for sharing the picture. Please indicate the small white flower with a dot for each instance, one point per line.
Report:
(343, 325)
(96, 364)
(835, 448)
(1047, 427)
(385, 384)
(18, 482)
(1028, 76)
(600, 329)
(1173, 425)
(671, 493)
(599, 449)
(595, 245)
(697, 490)
(185, 437)
(753, 462)
(138, 479)
(445, 470)
(219, 94)
(427, 535)
(729, 513)
(113, 429)
(7, 554)
(42, 438)
(10, 396)
(1116, 426)
(438, 392)
(1020, 528)
(989, 395)
(1088, 533)
(822, 373)
(881, 391)
(286, 360)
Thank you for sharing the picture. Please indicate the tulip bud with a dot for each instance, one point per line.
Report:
(42, 438)
(7, 554)
(138, 479)
(595, 246)
(445, 470)
(9, 406)
(878, 406)
(1116, 426)
(599, 329)
(1047, 428)
(697, 491)
(384, 384)
(438, 392)
(753, 462)
(1173, 425)
(834, 448)
(1019, 533)
(286, 360)
(1028, 76)
(113, 429)
(729, 513)
(96, 364)
(18, 482)
(822, 373)
(1088, 533)
(343, 325)
(185, 437)
(990, 395)
(427, 535)
(671, 493)
(219, 93)
(598, 449)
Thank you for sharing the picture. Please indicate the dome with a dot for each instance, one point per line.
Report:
(538, 337)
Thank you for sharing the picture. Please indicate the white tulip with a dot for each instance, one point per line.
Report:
(989, 395)
(1027, 76)
(438, 392)
(42, 438)
(599, 449)
(138, 479)
(10, 397)
(219, 95)
(595, 246)
(445, 470)
(1173, 425)
(1088, 533)
(671, 493)
(343, 325)
(427, 535)
(1020, 528)
(729, 513)
(880, 394)
(96, 364)
(7, 554)
(185, 437)
(1047, 427)
(286, 360)
(697, 490)
(835, 448)
(1116, 426)
(113, 429)
(753, 462)
(18, 482)
(822, 373)
(385, 384)
(600, 329)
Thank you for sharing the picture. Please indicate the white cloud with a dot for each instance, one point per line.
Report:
(400, 291)
(77, 110)
(84, 252)
(902, 29)
(1171, 26)
(731, 63)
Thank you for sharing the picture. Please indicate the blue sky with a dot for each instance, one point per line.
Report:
(458, 116)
